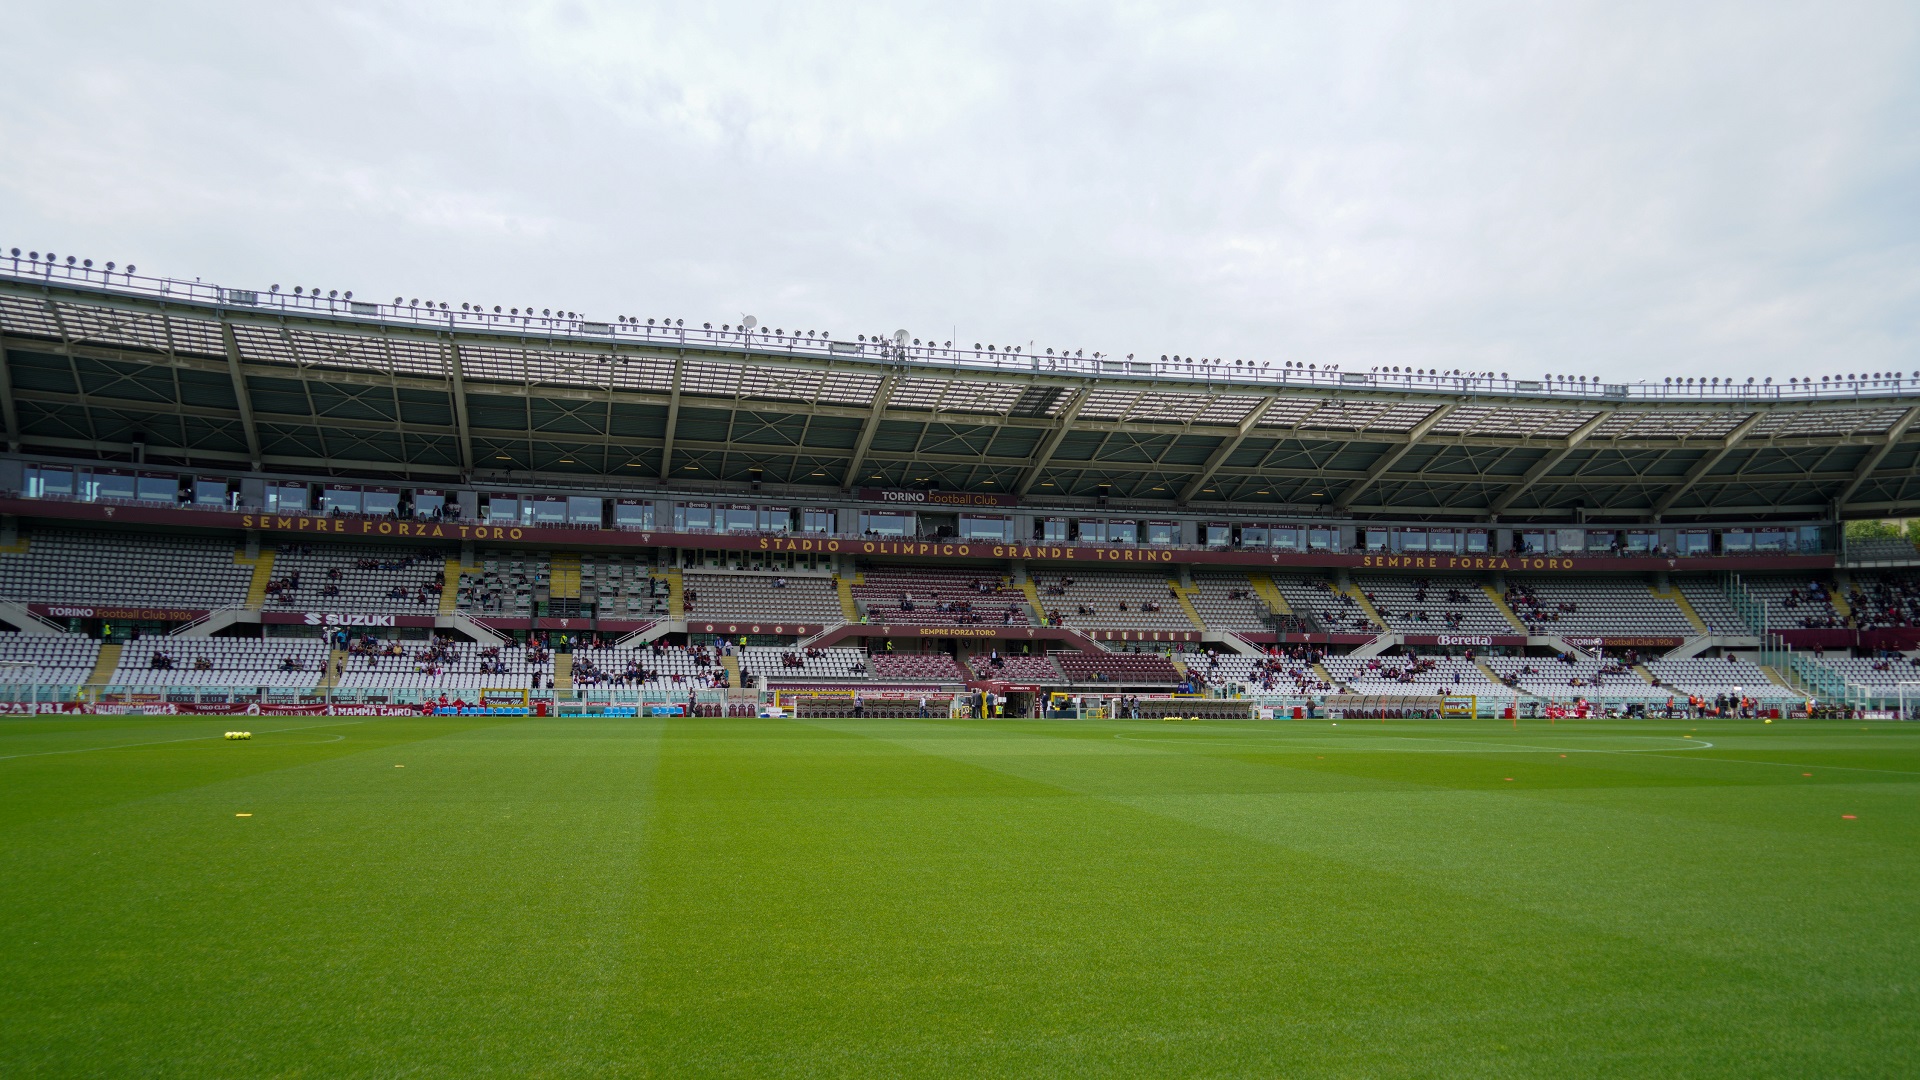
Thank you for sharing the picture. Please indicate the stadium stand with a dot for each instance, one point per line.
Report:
(802, 598)
(1020, 669)
(894, 594)
(1315, 594)
(66, 567)
(1885, 600)
(442, 664)
(1806, 605)
(917, 667)
(1710, 677)
(619, 586)
(1132, 669)
(1709, 601)
(46, 659)
(1227, 601)
(1881, 550)
(1883, 674)
(355, 578)
(1557, 678)
(779, 662)
(279, 663)
(1434, 605)
(1110, 600)
(654, 666)
(1414, 675)
(505, 584)
(1594, 606)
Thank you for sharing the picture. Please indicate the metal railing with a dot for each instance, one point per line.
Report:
(883, 350)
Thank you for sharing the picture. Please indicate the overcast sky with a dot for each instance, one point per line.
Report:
(1635, 190)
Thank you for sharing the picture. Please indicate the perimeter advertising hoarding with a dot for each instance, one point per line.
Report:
(1116, 555)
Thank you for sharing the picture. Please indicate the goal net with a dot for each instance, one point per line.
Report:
(503, 698)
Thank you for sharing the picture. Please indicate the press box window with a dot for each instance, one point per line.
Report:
(633, 515)
(692, 516)
(583, 510)
(1162, 532)
(985, 528)
(883, 524)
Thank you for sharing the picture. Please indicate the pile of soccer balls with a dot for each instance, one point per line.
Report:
(239, 734)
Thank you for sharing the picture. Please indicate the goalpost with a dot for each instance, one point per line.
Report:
(1909, 699)
(503, 697)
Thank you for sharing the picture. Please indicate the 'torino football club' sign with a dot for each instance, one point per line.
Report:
(937, 498)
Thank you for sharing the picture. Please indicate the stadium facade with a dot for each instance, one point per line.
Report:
(914, 498)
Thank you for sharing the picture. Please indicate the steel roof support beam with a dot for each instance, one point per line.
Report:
(241, 396)
(1044, 452)
(871, 427)
(457, 389)
(1226, 448)
(673, 419)
(1392, 457)
(1548, 463)
(1708, 463)
(11, 415)
(1867, 464)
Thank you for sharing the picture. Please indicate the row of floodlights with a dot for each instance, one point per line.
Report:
(748, 324)
(1795, 380)
(85, 264)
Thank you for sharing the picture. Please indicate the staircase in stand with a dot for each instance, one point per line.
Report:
(563, 671)
(104, 667)
(1837, 594)
(849, 610)
(1186, 605)
(676, 595)
(730, 663)
(1679, 600)
(1501, 603)
(450, 585)
(336, 662)
(262, 576)
(563, 583)
(1267, 591)
(1366, 606)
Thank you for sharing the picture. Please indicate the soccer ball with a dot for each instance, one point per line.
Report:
(1769, 720)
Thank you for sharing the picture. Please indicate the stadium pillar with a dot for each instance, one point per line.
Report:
(241, 396)
(6, 402)
(1860, 473)
(457, 390)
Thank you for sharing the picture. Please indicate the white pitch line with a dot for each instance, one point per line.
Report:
(163, 742)
(1517, 748)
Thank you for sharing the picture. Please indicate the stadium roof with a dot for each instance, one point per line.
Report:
(95, 361)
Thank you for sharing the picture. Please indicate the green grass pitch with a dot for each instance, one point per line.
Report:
(618, 897)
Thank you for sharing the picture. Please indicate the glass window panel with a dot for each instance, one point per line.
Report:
(109, 486)
(159, 489)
